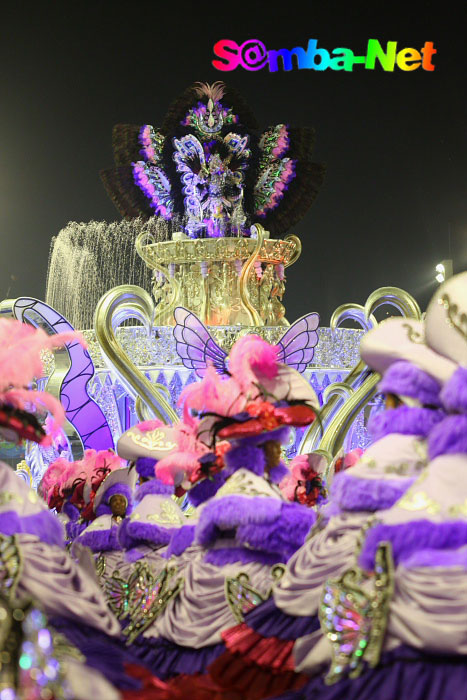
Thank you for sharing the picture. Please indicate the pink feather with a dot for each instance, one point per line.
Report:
(251, 355)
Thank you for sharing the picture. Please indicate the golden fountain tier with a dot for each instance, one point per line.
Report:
(224, 281)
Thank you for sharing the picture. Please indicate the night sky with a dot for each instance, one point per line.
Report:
(393, 202)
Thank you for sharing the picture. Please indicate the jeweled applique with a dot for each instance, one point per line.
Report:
(353, 615)
(149, 595)
(10, 566)
(242, 597)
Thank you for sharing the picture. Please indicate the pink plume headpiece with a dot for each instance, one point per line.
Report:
(180, 464)
(21, 346)
(61, 475)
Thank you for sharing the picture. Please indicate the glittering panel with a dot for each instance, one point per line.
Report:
(336, 349)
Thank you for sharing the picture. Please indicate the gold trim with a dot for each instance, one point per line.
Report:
(242, 282)
(117, 305)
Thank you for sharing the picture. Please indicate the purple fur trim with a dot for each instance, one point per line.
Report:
(103, 509)
(405, 420)
(207, 488)
(166, 659)
(101, 540)
(405, 379)
(118, 490)
(449, 437)
(454, 393)
(269, 621)
(354, 494)
(231, 555)
(145, 466)
(245, 456)
(74, 529)
(284, 536)
(44, 525)
(139, 532)
(153, 486)
(276, 474)
(181, 539)
(410, 537)
(70, 510)
(265, 524)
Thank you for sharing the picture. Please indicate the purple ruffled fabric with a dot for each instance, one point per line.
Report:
(103, 653)
(405, 379)
(448, 437)
(407, 538)
(166, 659)
(369, 495)
(44, 525)
(405, 420)
(402, 674)
(269, 621)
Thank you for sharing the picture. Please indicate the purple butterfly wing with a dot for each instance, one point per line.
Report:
(195, 345)
(297, 346)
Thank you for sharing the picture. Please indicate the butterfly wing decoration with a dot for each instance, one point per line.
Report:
(287, 180)
(117, 592)
(195, 345)
(10, 566)
(297, 346)
(148, 598)
(241, 596)
(353, 615)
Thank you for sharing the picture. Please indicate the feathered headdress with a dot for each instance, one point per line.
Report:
(21, 346)
(78, 482)
(264, 176)
(260, 395)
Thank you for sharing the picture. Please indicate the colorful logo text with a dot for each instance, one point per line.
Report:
(253, 55)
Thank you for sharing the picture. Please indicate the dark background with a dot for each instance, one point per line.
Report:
(393, 203)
